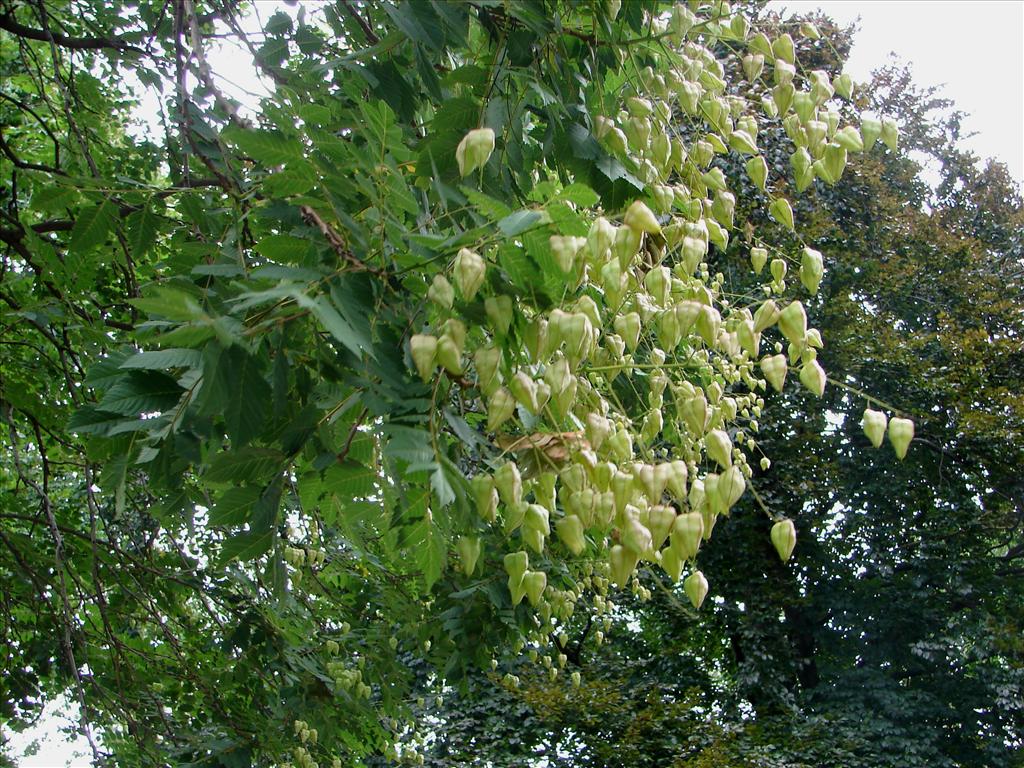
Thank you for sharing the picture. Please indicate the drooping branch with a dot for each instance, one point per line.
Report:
(8, 23)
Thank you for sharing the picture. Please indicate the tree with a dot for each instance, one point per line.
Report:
(891, 638)
(296, 401)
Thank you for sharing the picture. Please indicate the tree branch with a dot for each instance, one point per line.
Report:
(8, 23)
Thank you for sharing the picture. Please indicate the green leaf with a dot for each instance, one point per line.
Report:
(246, 465)
(163, 359)
(246, 546)
(234, 505)
(140, 392)
(580, 194)
(92, 225)
(349, 480)
(248, 404)
(283, 248)
(521, 221)
(90, 420)
(170, 303)
(142, 230)
(267, 146)
(429, 549)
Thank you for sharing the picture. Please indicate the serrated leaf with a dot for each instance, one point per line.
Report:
(248, 404)
(234, 506)
(92, 225)
(349, 480)
(246, 465)
(246, 546)
(282, 248)
(269, 147)
(162, 359)
(90, 420)
(429, 549)
(520, 221)
(142, 229)
(580, 194)
(140, 392)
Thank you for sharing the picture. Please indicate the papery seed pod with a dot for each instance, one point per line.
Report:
(696, 588)
(469, 273)
(597, 429)
(516, 565)
(843, 85)
(449, 355)
(719, 447)
(812, 376)
(639, 107)
(628, 327)
(487, 360)
(778, 269)
(485, 496)
(621, 445)
(782, 97)
(874, 424)
(509, 483)
(774, 369)
(514, 516)
(784, 539)
(474, 150)
(758, 258)
(661, 519)
(724, 209)
(468, 548)
(784, 73)
(500, 407)
(640, 218)
(731, 486)
(782, 212)
(793, 322)
(564, 248)
(423, 349)
(901, 432)
(636, 537)
(890, 133)
(524, 390)
(811, 269)
(753, 65)
(694, 411)
(534, 584)
(536, 519)
(676, 480)
(570, 532)
(600, 238)
(834, 161)
(870, 130)
(849, 138)
(715, 179)
(749, 341)
(808, 30)
(441, 292)
(708, 323)
(672, 563)
(622, 562)
(687, 533)
(742, 142)
(658, 282)
(757, 169)
(499, 313)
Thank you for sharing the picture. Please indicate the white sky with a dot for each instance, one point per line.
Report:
(974, 50)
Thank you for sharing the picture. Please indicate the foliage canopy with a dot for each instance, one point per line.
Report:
(469, 334)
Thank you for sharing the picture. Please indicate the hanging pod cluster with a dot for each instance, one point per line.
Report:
(648, 483)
